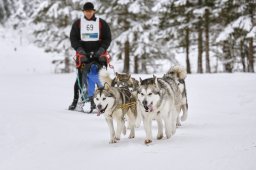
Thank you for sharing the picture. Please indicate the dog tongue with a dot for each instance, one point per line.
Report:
(150, 107)
(98, 113)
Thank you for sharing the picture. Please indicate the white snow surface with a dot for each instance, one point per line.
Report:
(37, 132)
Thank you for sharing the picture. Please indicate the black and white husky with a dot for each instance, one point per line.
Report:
(122, 80)
(160, 99)
(115, 103)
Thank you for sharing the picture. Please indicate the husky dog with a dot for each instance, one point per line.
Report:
(159, 98)
(115, 103)
(179, 74)
(122, 80)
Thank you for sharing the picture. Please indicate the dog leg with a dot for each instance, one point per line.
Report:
(174, 119)
(178, 122)
(138, 119)
(168, 127)
(132, 123)
(148, 129)
(184, 112)
(160, 128)
(111, 130)
(124, 130)
(131, 120)
(132, 132)
(119, 128)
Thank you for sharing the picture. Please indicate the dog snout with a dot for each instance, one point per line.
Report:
(99, 106)
(145, 103)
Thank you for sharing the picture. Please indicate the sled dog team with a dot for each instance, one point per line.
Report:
(163, 99)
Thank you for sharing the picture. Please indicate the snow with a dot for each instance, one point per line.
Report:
(38, 132)
(243, 22)
(20, 57)
(252, 33)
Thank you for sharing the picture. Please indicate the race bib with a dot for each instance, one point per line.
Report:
(89, 30)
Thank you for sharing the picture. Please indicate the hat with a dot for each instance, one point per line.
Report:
(88, 6)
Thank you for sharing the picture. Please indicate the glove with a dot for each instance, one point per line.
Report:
(99, 52)
(81, 57)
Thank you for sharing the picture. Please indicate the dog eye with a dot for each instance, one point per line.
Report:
(142, 94)
(97, 98)
(104, 98)
(150, 94)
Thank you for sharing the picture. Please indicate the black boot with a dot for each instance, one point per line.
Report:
(93, 106)
(73, 105)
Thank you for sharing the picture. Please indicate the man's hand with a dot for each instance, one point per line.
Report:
(81, 56)
(99, 52)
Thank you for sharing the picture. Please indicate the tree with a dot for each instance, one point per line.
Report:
(200, 46)
(6, 8)
(52, 22)
(250, 56)
(207, 41)
(128, 22)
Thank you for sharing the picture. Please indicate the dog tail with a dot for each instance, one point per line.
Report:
(181, 71)
(104, 77)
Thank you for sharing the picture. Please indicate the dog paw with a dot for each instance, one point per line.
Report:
(131, 136)
(124, 131)
(147, 141)
(112, 141)
(178, 124)
(137, 125)
(160, 137)
(117, 138)
(183, 118)
(173, 132)
(168, 136)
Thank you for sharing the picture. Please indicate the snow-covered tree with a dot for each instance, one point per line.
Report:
(131, 25)
(6, 9)
(51, 26)
(148, 34)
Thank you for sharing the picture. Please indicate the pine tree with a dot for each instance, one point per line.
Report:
(207, 50)
(52, 21)
(128, 26)
(6, 9)
(200, 46)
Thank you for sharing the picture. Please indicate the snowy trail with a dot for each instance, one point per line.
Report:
(38, 133)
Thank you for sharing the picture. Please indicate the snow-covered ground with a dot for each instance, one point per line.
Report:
(38, 133)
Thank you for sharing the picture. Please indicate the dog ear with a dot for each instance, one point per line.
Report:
(106, 86)
(117, 76)
(162, 91)
(97, 88)
(140, 80)
(155, 80)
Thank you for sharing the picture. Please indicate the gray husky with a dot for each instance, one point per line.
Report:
(178, 74)
(115, 103)
(159, 98)
(122, 80)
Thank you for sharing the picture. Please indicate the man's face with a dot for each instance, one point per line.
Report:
(89, 14)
